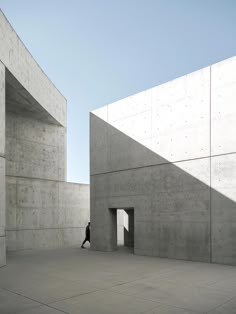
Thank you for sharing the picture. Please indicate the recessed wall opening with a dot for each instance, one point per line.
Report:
(124, 228)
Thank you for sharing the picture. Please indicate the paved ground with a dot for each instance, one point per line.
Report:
(82, 281)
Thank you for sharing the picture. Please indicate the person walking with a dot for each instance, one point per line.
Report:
(87, 235)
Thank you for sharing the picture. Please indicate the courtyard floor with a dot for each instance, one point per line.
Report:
(82, 281)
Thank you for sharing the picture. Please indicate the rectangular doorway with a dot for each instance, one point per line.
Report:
(125, 228)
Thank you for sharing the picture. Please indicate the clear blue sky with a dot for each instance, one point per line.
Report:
(99, 51)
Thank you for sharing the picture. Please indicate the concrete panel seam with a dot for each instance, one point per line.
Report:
(210, 211)
(41, 179)
(28, 229)
(223, 154)
(161, 164)
(152, 165)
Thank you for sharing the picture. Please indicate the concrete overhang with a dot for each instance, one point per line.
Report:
(20, 101)
(25, 77)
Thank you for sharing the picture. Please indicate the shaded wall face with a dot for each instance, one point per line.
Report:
(34, 148)
(2, 166)
(42, 211)
(169, 152)
(172, 120)
(171, 207)
(17, 59)
(45, 214)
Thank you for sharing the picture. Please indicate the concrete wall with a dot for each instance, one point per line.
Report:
(223, 161)
(45, 214)
(168, 153)
(2, 166)
(35, 148)
(42, 210)
(129, 229)
(17, 59)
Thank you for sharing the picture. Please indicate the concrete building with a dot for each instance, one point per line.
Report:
(38, 209)
(168, 157)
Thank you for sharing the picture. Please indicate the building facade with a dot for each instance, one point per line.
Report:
(168, 157)
(38, 208)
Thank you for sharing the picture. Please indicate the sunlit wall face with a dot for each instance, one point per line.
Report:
(178, 139)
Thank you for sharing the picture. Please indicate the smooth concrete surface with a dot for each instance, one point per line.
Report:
(2, 251)
(42, 209)
(45, 214)
(76, 281)
(171, 206)
(2, 110)
(168, 152)
(224, 209)
(2, 167)
(129, 230)
(223, 110)
(20, 63)
(19, 100)
(34, 148)
(2, 197)
(172, 120)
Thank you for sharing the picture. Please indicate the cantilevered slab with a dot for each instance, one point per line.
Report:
(20, 63)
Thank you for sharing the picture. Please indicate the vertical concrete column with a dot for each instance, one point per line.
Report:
(2, 168)
(112, 230)
(103, 227)
(129, 234)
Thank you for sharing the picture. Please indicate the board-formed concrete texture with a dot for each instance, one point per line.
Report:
(38, 208)
(169, 153)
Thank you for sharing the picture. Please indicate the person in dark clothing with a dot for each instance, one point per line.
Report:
(87, 235)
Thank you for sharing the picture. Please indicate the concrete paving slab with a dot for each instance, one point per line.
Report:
(167, 309)
(105, 302)
(42, 310)
(84, 281)
(13, 303)
(227, 308)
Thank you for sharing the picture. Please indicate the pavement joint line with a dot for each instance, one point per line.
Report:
(153, 308)
(39, 302)
(169, 304)
(168, 269)
(161, 303)
(174, 306)
(74, 296)
(102, 289)
(99, 289)
(218, 306)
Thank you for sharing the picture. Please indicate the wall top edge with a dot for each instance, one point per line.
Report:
(9, 24)
(163, 84)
